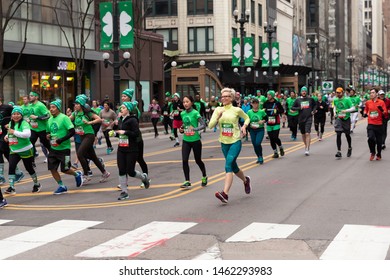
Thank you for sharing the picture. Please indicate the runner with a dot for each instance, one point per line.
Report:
(273, 109)
(155, 111)
(376, 111)
(292, 116)
(257, 120)
(357, 103)
(83, 120)
(342, 124)
(306, 108)
(165, 111)
(59, 131)
(213, 104)
(129, 134)
(21, 148)
(192, 124)
(227, 119)
(177, 108)
(320, 116)
(108, 117)
(382, 96)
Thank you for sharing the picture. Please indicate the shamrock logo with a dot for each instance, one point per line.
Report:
(108, 27)
(124, 22)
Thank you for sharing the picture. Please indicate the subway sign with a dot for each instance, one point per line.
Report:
(66, 66)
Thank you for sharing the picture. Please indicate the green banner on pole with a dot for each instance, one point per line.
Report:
(106, 19)
(236, 51)
(266, 53)
(248, 51)
(126, 40)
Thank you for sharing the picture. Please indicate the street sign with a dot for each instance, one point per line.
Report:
(327, 86)
(265, 54)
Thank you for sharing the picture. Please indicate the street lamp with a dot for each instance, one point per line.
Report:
(242, 21)
(116, 64)
(311, 46)
(350, 59)
(336, 53)
(270, 29)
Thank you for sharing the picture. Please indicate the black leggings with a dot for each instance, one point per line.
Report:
(338, 139)
(167, 122)
(154, 122)
(319, 125)
(375, 134)
(185, 152)
(86, 151)
(274, 138)
(126, 163)
(140, 157)
(107, 137)
(14, 160)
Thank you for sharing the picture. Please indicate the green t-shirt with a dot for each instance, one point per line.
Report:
(38, 109)
(18, 143)
(342, 104)
(355, 101)
(255, 117)
(290, 101)
(262, 99)
(58, 127)
(82, 128)
(190, 119)
(26, 112)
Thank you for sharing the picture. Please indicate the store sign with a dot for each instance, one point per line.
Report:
(66, 66)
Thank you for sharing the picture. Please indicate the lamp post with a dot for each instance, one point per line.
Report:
(270, 29)
(116, 64)
(311, 46)
(242, 21)
(336, 53)
(350, 59)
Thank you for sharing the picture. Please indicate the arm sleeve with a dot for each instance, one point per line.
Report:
(213, 121)
(44, 117)
(201, 124)
(26, 133)
(70, 133)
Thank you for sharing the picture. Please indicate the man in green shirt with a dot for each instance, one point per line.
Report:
(292, 116)
(59, 130)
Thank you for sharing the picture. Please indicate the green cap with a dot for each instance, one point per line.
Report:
(303, 89)
(11, 103)
(17, 109)
(81, 101)
(58, 103)
(128, 105)
(271, 92)
(129, 92)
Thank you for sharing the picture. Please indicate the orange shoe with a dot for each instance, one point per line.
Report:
(372, 157)
(378, 157)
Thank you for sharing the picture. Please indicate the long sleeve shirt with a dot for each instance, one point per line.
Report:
(375, 110)
(228, 123)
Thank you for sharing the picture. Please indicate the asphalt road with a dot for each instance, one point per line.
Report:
(301, 207)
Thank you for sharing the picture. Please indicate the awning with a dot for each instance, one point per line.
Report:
(171, 53)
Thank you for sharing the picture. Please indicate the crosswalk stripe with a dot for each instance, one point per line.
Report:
(212, 253)
(40, 236)
(262, 231)
(359, 242)
(137, 241)
(4, 221)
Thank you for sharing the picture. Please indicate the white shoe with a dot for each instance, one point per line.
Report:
(45, 161)
(307, 153)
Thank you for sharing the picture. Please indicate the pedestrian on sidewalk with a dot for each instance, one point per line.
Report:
(129, 134)
(376, 112)
(342, 123)
(274, 109)
(59, 131)
(227, 118)
(306, 107)
(155, 111)
(21, 148)
(257, 119)
(192, 124)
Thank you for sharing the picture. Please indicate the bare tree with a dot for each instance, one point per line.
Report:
(13, 8)
(80, 22)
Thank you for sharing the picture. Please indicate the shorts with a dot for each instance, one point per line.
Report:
(342, 125)
(305, 127)
(57, 157)
(177, 123)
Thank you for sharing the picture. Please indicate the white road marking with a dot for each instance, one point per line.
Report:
(212, 253)
(5, 221)
(137, 241)
(37, 237)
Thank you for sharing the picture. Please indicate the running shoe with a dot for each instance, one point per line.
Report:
(186, 185)
(3, 203)
(276, 155)
(10, 190)
(19, 177)
(172, 138)
(36, 188)
(260, 160)
(383, 147)
(89, 173)
(281, 150)
(338, 155)
(146, 180)
(204, 181)
(45, 161)
(61, 190)
(222, 197)
(378, 157)
(105, 176)
(123, 196)
(247, 185)
(2, 180)
(79, 179)
(177, 144)
(307, 153)
(372, 156)
(86, 179)
(349, 153)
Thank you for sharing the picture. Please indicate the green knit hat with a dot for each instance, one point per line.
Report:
(167, 94)
(271, 92)
(129, 92)
(80, 100)
(17, 109)
(128, 105)
(177, 94)
(303, 89)
(57, 103)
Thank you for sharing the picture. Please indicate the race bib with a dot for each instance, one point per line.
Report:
(271, 120)
(374, 114)
(53, 141)
(305, 105)
(34, 124)
(255, 125)
(189, 132)
(123, 141)
(227, 129)
(79, 130)
(176, 113)
(165, 113)
(12, 140)
(342, 115)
